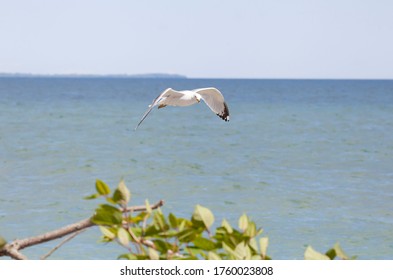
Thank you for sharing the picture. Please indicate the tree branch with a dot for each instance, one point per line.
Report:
(13, 252)
(12, 249)
(68, 238)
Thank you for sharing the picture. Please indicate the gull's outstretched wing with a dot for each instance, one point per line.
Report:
(160, 100)
(215, 100)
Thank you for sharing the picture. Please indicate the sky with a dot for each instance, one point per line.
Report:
(327, 39)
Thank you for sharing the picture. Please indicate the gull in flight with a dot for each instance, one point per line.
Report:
(211, 96)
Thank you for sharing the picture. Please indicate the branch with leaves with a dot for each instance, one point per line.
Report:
(13, 248)
(153, 235)
(144, 232)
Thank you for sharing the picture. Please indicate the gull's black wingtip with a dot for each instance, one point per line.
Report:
(225, 113)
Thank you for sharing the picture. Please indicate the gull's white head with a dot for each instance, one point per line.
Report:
(198, 97)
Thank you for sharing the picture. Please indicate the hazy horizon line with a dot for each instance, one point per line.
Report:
(159, 75)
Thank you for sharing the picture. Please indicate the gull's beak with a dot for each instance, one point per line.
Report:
(198, 99)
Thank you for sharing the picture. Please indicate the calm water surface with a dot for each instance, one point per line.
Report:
(310, 161)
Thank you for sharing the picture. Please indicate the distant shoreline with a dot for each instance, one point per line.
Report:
(136, 76)
(171, 76)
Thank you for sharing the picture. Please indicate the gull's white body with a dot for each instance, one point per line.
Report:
(211, 96)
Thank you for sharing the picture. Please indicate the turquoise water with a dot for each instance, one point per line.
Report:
(310, 161)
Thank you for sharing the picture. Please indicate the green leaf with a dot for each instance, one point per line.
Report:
(159, 221)
(194, 251)
(243, 222)
(263, 244)
(172, 220)
(3, 242)
(182, 225)
(256, 257)
(153, 254)
(340, 253)
(213, 256)
(102, 188)
(204, 243)
(331, 254)
(128, 256)
(311, 254)
(93, 196)
(243, 251)
(253, 245)
(107, 215)
(152, 230)
(148, 207)
(259, 231)
(162, 246)
(168, 233)
(203, 214)
(107, 233)
(124, 191)
(231, 252)
(110, 200)
(187, 235)
(251, 230)
(138, 218)
(116, 197)
(227, 226)
(121, 195)
(137, 231)
(123, 236)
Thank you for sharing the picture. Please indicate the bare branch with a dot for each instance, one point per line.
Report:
(58, 233)
(13, 252)
(143, 207)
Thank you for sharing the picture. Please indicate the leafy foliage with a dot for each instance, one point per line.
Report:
(331, 254)
(152, 235)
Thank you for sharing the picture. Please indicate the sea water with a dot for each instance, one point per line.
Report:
(310, 161)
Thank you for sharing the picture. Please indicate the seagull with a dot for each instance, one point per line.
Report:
(211, 96)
